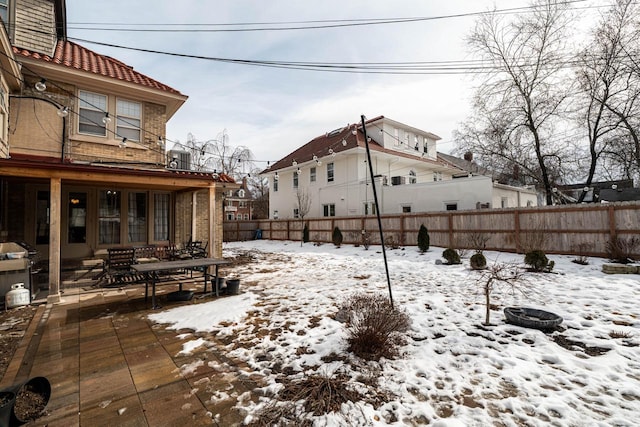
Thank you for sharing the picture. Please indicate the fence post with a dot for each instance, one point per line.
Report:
(612, 222)
(450, 230)
(516, 224)
(402, 237)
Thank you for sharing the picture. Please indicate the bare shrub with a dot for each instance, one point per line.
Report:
(366, 240)
(478, 241)
(374, 328)
(581, 253)
(390, 242)
(622, 250)
(534, 239)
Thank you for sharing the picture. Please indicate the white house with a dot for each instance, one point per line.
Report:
(332, 171)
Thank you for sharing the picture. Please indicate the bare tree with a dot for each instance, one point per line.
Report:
(259, 186)
(517, 104)
(303, 204)
(509, 274)
(218, 155)
(607, 86)
(617, 34)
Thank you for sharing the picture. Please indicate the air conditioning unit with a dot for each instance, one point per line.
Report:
(177, 159)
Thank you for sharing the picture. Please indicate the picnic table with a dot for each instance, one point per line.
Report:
(152, 272)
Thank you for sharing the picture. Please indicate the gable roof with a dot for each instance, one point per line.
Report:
(72, 55)
(340, 140)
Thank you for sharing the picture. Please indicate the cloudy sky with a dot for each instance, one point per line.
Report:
(272, 110)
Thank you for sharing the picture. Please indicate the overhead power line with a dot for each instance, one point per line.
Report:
(286, 25)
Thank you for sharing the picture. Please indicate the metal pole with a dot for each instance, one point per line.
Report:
(375, 200)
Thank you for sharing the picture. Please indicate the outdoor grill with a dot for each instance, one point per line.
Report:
(15, 267)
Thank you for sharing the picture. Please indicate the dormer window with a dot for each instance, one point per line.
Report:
(241, 193)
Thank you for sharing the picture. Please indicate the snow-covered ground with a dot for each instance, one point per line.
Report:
(453, 371)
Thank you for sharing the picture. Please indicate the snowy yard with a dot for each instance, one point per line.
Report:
(453, 371)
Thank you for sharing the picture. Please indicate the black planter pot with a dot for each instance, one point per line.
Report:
(7, 400)
(233, 286)
(37, 385)
(532, 318)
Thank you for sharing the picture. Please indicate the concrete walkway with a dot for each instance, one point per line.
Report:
(109, 366)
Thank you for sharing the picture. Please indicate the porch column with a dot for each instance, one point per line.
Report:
(54, 240)
(215, 224)
(194, 215)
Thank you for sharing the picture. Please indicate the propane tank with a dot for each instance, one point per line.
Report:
(17, 296)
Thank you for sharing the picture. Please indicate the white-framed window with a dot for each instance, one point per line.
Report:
(129, 119)
(275, 214)
(437, 176)
(230, 216)
(329, 210)
(275, 183)
(93, 107)
(230, 193)
(242, 204)
(406, 209)
(330, 176)
(296, 213)
(451, 206)
(369, 208)
(396, 137)
(161, 211)
(295, 179)
(413, 178)
(241, 193)
(246, 217)
(504, 202)
(312, 174)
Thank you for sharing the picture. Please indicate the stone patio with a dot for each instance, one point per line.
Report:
(109, 365)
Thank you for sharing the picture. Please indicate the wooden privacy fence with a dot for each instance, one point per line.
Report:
(569, 229)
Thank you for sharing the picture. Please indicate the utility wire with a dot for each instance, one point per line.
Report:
(300, 25)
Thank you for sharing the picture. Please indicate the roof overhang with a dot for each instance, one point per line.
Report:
(10, 68)
(161, 179)
(83, 79)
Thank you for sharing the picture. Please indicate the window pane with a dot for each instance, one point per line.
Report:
(137, 220)
(128, 121)
(77, 229)
(109, 217)
(92, 110)
(42, 218)
(329, 172)
(161, 217)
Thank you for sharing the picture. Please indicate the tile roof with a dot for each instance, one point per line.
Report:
(333, 140)
(72, 55)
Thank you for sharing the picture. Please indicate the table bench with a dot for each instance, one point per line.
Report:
(152, 270)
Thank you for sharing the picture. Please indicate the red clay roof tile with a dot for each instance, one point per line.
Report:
(72, 55)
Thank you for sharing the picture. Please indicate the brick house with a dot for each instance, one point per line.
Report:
(83, 165)
(238, 203)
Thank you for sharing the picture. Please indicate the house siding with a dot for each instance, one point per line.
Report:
(32, 14)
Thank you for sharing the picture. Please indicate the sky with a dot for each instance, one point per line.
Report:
(452, 370)
(273, 111)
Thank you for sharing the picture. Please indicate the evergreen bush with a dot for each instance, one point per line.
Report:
(452, 256)
(336, 237)
(423, 239)
(537, 260)
(305, 233)
(478, 261)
